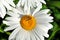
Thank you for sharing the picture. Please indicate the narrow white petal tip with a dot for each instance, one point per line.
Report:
(47, 10)
(14, 5)
(51, 26)
(47, 36)
(10, 38)
(44, 2)
(51, 17)
(2, 16)
(4, 22)
(5, 30)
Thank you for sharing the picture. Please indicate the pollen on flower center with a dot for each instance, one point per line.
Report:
(28, 22)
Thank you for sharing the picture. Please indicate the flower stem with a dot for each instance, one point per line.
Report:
(53, 34)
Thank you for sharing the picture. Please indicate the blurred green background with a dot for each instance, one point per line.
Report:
(54, 6)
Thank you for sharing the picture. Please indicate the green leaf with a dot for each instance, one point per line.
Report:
(16, 1)
(55, 26)
(55, 29)
(54, 3)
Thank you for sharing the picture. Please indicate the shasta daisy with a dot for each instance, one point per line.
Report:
(28, 26)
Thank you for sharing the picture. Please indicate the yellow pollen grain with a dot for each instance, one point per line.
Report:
(28, 22)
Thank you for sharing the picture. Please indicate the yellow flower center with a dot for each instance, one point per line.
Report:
(28, 22)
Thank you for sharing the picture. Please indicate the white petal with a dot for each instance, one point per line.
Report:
(39, 34)
(6, 4)
(13, 19)
(19, 3)
(28, 10)
(2, 10)
(31, 3)
(42, 12)
(13, 34)
(32, 36)
(1, 15)
(20, 10)
(41, 37)
(10, 22)
(45, 11)
(43, 30)
(28, 36)
(25, 7)
(43, 1)
(43, 20)
(16, 11)
(10, 2)
(13, 14)
(44, 17)
(11, 27)
(22, 2)
(37, 9)
(21, 35)
(48, 25)
(37, 38)
(5, 22)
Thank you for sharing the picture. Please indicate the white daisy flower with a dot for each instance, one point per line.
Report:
(31, 4)
(27, 26)
(3, 4)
